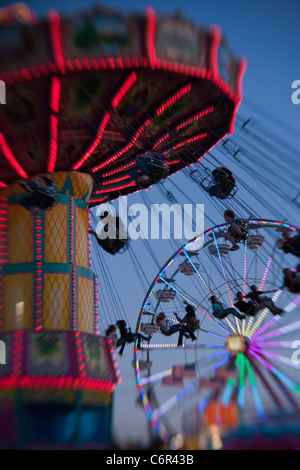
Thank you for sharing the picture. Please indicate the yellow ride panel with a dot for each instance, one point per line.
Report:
(18, 301)
(20, 229)
(57, 295)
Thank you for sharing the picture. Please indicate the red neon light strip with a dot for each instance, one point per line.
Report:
(3, 185)
(115, 180)
(17, 349)
(56, 382)
(3, 252)
(118, 169)
(188, 141)
(186, 89)
(209, 150)
(1, 287)
(118, 188)
(74, 298)
(151, 21)
(10, 157)
(195, 117)
(179, 94)
(162, 139)
(171, 163)
(124, 89)
(72, 233)
(98, 200)
(95, 143)
(216, 34)
(89, 241)
(53, 142)
(81, 359)
(240, 94)
(38, 275)
(54, 104)
(124, 149)
(56, 38)
(55, 94)
(11, 77)
(97, 312)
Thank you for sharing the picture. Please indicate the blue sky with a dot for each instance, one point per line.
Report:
(267, 34)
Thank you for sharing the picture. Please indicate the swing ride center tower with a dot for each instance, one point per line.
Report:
(84, 95)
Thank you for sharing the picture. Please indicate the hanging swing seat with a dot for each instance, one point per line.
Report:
(221, 184)
(116, 243)
(114, 246)
(156, 170)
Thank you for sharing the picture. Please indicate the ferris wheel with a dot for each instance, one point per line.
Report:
(235, 370)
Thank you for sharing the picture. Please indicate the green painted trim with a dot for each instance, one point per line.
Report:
(80, 203)
(68, 186)
(65, 199)
(59, 268)
(61, 199)
(85, 272)
(18, 268)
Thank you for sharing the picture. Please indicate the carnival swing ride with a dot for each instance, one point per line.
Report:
(101, 105)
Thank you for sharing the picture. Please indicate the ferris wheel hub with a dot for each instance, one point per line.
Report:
(236, 343)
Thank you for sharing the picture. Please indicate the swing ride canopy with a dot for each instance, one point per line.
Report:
(89, 92)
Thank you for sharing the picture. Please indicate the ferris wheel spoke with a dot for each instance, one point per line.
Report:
(247, 324)
(227, 394)
(155, 377)
(280, 331)
(255, 331)
(202, 405)
(216, 354)
(240, 361)
(249, 328)
(221, 363)
(174, 400)
(287, 392)
(272, 355)
(261, 329)
(212, 333)
(245, 264)
(267, 269)
(225, 278)
(275, 344)
(286, 380)
(152, 346)
(295, 303)
(256, 395)
(193, 303)
(196, 270)
(266, 384)
(245, 281)
(155, 315)
(263, 315)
